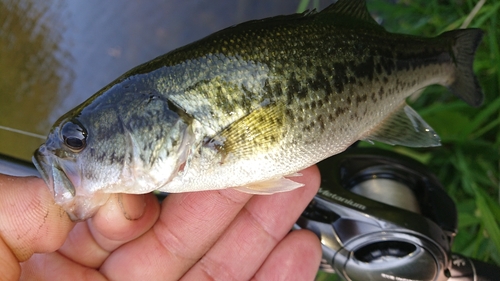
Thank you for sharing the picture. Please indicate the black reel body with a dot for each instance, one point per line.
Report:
(381, 216)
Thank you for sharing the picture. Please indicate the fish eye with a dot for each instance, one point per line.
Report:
(74, 136)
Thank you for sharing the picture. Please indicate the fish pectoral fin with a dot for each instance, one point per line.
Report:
(405, 127)
(256, 133)
(270, 186)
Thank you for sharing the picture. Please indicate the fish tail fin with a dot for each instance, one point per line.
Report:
(465, 84)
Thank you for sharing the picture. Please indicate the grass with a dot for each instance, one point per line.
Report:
(467, 163)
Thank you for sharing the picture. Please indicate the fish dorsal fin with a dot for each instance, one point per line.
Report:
(405, 127)
(353, 9)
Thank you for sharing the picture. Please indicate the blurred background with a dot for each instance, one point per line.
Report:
(54, 54)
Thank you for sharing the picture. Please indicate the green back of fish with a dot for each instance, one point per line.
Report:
(292, 79)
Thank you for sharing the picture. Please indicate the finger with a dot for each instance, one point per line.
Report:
(188, 226)
(30, 221)
(296, 257)
(9, 265)
(123, 218)
(54, 266)
(264, 221)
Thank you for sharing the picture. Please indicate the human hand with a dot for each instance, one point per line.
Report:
(214, 235)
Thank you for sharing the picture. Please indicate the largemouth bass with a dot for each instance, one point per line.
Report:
(251, 104)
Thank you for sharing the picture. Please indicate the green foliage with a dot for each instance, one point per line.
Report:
(467, 163)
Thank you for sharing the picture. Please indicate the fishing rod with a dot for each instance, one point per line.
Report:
(383, 216)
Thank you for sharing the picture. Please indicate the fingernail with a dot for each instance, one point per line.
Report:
(132, 205)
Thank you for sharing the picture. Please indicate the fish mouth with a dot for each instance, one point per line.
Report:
(41, 162)
(53, 175)
(56, 178)
(64, 181)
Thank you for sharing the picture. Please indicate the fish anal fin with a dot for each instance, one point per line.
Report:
(405, 127)
(270, 186)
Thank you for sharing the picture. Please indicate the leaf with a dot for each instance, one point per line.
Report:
(467, 219)
(486, 113)
(486, 215)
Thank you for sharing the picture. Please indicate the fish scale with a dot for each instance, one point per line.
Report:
(248, 105)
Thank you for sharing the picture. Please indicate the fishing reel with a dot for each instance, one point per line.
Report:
(382, 216)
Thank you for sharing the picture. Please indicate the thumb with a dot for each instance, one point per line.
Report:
(30, 222)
